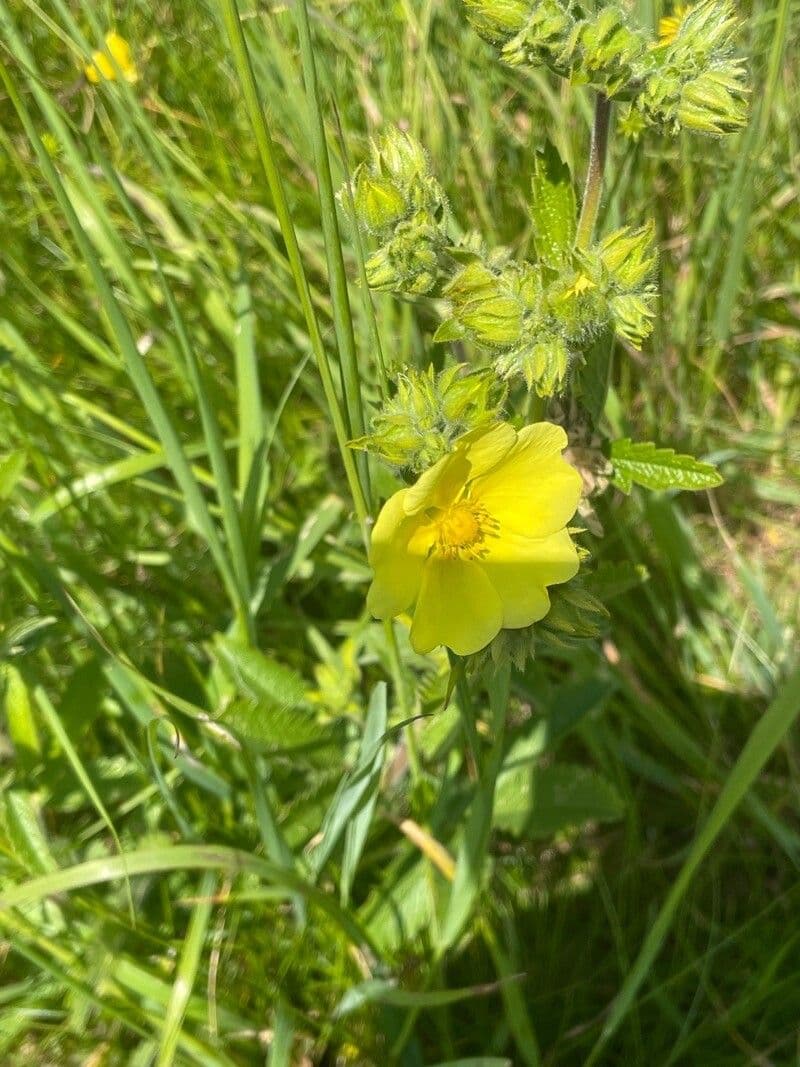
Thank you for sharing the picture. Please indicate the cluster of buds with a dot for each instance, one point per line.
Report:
(601, 49)
(689, 77)
(696, 80)
(621, 269)
(399, 202)
(537, 325)
(429, 413)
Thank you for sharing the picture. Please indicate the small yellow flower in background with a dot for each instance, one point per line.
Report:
(473, 545)
(102, 67)
(669, 25)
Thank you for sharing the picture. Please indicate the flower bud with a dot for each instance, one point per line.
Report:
(429, 413)
(379, 204)
(497, 20)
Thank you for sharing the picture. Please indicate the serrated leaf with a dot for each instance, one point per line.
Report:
(539, 802)
(659, 468)
(256, 676)
(449, 330)
(271, 708)
(553, 207)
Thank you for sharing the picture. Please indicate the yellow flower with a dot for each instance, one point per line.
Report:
(102, 67)
(473, 545)
(669, 25)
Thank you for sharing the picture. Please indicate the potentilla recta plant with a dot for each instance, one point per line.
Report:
(484, 543)
(499, 445)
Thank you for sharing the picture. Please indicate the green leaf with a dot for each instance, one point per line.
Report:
(553, 207)
(22, 838)
(593, 376)
(371, 755)
(449, 330)
(11, 468)
(271, 708)
(16, 704)
(538, 802)
(659, 468)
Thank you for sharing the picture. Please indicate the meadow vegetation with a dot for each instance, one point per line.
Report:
(241, 821)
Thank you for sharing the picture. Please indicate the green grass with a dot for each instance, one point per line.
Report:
(192, 692)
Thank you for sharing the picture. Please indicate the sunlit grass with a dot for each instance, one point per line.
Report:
(192, 689)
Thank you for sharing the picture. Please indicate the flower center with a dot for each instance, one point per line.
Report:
(461, 530)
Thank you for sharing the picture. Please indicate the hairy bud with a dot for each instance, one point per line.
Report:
(421, 423)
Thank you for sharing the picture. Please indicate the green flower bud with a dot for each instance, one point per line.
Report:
(543, 361)
(399, 157)
(544, 39)
(487, 304)
(713, 102)
(429, 413)
(409, 261)
(497, 20)
(574, 613)
(695, 81)
(609, 51)
(379, 204)
(496, 321)
(398, 199)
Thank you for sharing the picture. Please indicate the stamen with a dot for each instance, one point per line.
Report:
(462, 530)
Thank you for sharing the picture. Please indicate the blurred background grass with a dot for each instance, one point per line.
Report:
(131, 575)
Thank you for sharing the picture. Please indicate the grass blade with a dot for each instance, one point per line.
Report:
(767, 734)
(186, 971)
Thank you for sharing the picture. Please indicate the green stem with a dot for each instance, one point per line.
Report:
(594, 175)
(266, 150)
(340, 299)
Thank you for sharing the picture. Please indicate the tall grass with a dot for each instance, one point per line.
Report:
(222, 838)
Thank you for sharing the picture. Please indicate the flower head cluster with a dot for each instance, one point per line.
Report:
(536, 323)
(689, 77)
(399, 201)
(473, 545)
(696, 80)
(115, 57)
(428, 414)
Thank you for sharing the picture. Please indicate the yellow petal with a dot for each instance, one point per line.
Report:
(475, 454)
(533, 491)
(397, 567)
(439, 486)
(102, 65)
(486, 448)
(457, 607)
(520, 569)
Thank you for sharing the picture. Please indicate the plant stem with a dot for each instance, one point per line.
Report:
(342, 317)
(594, 175)
(229, 10)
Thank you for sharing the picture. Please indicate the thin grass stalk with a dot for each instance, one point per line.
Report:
(369, 307)
(342, 316)
(244, 68)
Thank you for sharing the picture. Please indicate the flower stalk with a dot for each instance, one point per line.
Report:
(593, 189)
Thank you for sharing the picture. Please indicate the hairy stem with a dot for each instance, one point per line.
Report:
(594, 175)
